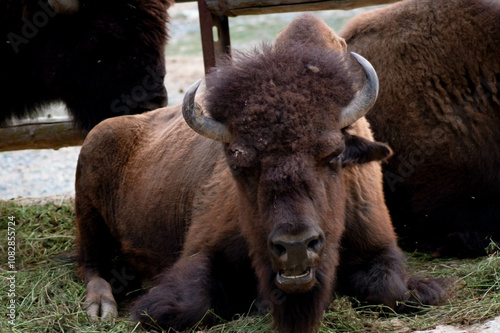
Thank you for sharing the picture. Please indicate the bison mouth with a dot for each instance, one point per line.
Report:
(292, 282)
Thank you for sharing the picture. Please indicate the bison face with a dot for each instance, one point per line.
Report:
(288, 125)
(291, 211)
(106, 59)
(292, 204)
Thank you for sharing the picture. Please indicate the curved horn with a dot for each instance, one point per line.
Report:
(66, 7)
(193, 115)
(365, 99)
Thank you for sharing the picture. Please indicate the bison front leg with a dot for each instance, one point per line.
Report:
(182, 299)
(95, 250)
(380, 278)
(99, 301)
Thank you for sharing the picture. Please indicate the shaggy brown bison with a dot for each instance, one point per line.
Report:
(439, 109)
(101, 58)
(280, 197)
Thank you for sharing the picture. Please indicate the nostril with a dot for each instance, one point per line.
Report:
(315, 243)
(278, 250)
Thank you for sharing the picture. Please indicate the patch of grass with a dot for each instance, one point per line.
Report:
(49, 294)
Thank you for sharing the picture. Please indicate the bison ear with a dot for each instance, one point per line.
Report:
(359, 150)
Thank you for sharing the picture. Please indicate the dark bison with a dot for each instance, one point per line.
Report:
(280, 197)
(101, 58)
(439, 109)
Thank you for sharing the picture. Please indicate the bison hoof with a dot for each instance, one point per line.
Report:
(99, 302)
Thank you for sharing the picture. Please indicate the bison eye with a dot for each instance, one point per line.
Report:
(244, 174)
(235, 169)
(239, 171)
(241, 161)
(334, 159)
(239, 156)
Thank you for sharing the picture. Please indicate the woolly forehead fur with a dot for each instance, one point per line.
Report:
(282, 92)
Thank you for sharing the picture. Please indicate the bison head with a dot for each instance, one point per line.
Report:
(103, 58)
(288, 118)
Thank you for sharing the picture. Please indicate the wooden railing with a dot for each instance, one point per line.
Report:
(41, 133)
(259, 7)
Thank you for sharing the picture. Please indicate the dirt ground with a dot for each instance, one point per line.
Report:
(492, 326)
(182, 72)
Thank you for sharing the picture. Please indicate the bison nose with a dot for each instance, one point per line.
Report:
(158, 101)
(295, 258)
(296, 250)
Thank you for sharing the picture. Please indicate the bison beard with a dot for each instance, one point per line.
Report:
(298, 312)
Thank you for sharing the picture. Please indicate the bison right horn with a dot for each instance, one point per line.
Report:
(66, 7)
(201, 124)
(366, 98)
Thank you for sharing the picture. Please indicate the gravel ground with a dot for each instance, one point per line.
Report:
(34, 173)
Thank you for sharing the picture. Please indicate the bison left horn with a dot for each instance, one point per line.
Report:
(201, 124)
(66, 7)
(365, 99)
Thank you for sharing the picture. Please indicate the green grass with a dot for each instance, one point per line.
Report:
(49, 292)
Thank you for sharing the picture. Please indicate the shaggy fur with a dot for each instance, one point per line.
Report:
(202, 214)
(104, 61)
(439, 109)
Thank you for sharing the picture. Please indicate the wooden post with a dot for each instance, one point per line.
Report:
(41, 133)
(213, 46)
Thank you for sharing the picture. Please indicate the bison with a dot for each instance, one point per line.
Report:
(277, 195)
(101, 58)
(439, 109)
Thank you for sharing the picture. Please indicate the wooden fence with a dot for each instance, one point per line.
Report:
(41, 133)
(259, 7)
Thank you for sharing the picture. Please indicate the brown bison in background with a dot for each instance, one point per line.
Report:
(285, 208)
(439, 109)
(102, 58)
